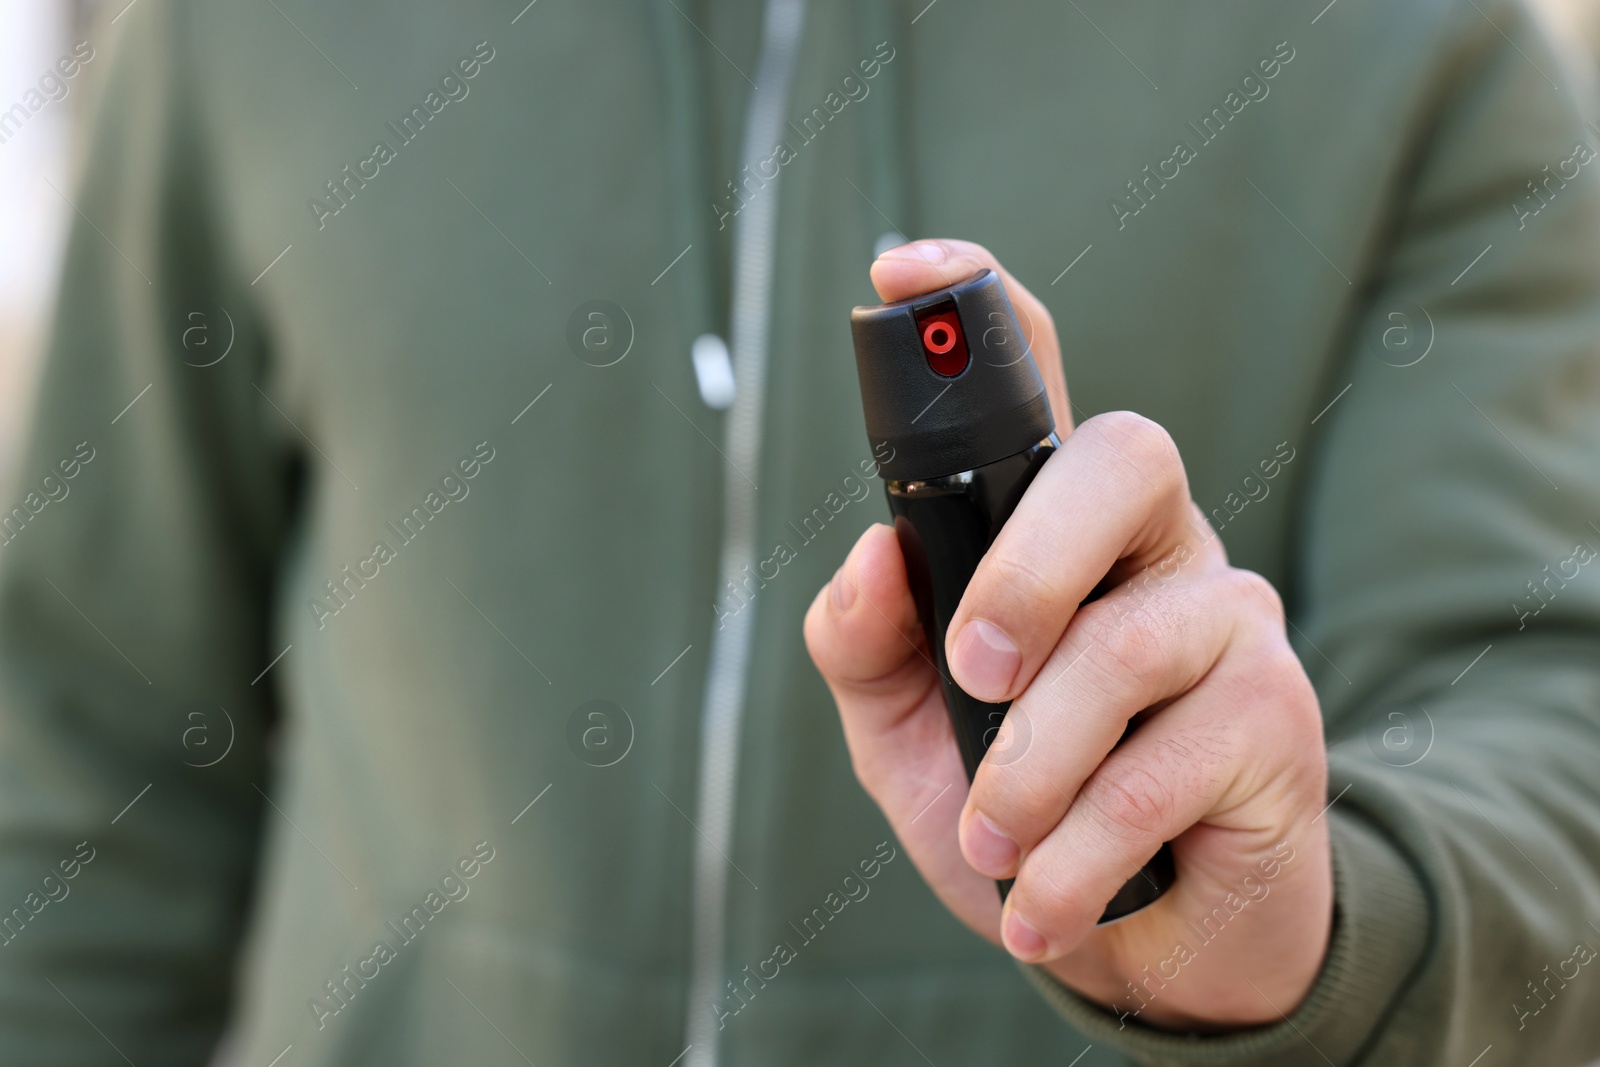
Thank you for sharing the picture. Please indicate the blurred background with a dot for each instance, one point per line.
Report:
(36, 161)
(33, 220)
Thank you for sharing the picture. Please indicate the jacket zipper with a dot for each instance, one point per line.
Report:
(754, 253)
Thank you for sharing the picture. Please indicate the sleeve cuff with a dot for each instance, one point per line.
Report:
(1380, 932)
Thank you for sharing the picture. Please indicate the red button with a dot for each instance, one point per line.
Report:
(939, 338)
(943, 344)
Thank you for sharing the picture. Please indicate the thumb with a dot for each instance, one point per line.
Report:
(862, 633)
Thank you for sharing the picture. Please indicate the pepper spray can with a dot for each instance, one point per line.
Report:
(948, 384)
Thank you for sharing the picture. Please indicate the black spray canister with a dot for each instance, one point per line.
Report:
(948, 384)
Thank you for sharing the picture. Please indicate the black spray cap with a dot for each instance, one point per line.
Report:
(947, 380)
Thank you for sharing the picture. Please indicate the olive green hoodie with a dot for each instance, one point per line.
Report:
(401, 636)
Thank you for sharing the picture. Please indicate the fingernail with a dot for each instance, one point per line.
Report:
(842, 590)
(1022, 940)
(986, 660)
(931, 252)
(988, 850)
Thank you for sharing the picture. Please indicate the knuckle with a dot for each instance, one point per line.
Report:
(813, 629)
(1296, 700)
(824, 642)
(1145, 443)
(1022, 804)
(1280, 663)
(1133, 802)
(1257, 593)
(1051, 898)
(1017, 579)
(1268, 687)
(978, 251)
(1125, 641)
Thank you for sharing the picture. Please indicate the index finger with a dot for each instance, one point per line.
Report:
(923, 266)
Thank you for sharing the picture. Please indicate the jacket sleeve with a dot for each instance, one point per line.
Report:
(136, 558)
(1447, 599)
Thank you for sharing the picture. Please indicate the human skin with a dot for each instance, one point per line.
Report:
(1228, 762)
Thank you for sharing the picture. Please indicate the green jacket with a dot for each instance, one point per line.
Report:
(402, 660)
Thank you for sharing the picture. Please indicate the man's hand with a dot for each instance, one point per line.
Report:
(1228, 761)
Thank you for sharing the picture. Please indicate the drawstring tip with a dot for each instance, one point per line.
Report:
(713, 371)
